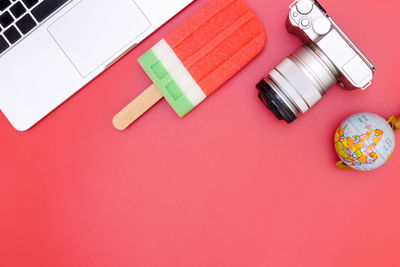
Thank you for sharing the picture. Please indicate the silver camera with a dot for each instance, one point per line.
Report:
(327, 57)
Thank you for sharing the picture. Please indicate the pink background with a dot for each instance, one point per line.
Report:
(229, 185)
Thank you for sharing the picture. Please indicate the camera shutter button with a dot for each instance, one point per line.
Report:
(322, 26)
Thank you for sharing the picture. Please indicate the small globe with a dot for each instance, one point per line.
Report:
(364, 141)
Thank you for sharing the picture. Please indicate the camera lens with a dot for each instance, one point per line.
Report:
(274, 102)
(297, 83)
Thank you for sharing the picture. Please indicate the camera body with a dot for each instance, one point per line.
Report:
(328, 57)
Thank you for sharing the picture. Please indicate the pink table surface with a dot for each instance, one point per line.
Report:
(229, 185)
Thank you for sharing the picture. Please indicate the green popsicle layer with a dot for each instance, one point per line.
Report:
(165, 83)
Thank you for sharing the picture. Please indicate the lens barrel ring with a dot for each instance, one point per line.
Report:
(274, 102)
(297, 83)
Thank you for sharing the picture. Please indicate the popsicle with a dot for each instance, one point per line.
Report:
(197, 58)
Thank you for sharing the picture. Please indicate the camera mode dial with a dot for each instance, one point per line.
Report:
(304, 7)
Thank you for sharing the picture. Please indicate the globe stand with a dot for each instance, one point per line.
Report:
(395, 123)
(341, 165)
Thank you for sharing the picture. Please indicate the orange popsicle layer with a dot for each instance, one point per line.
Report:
(218, 42)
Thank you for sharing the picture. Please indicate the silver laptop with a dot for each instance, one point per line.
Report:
(49, 49)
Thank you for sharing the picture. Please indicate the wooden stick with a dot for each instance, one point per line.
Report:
(137, 108)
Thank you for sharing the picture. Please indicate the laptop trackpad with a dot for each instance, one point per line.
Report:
(95, 30)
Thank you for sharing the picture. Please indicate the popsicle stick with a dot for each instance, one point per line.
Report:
(137, 108)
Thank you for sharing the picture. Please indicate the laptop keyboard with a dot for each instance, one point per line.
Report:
(19, 17)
